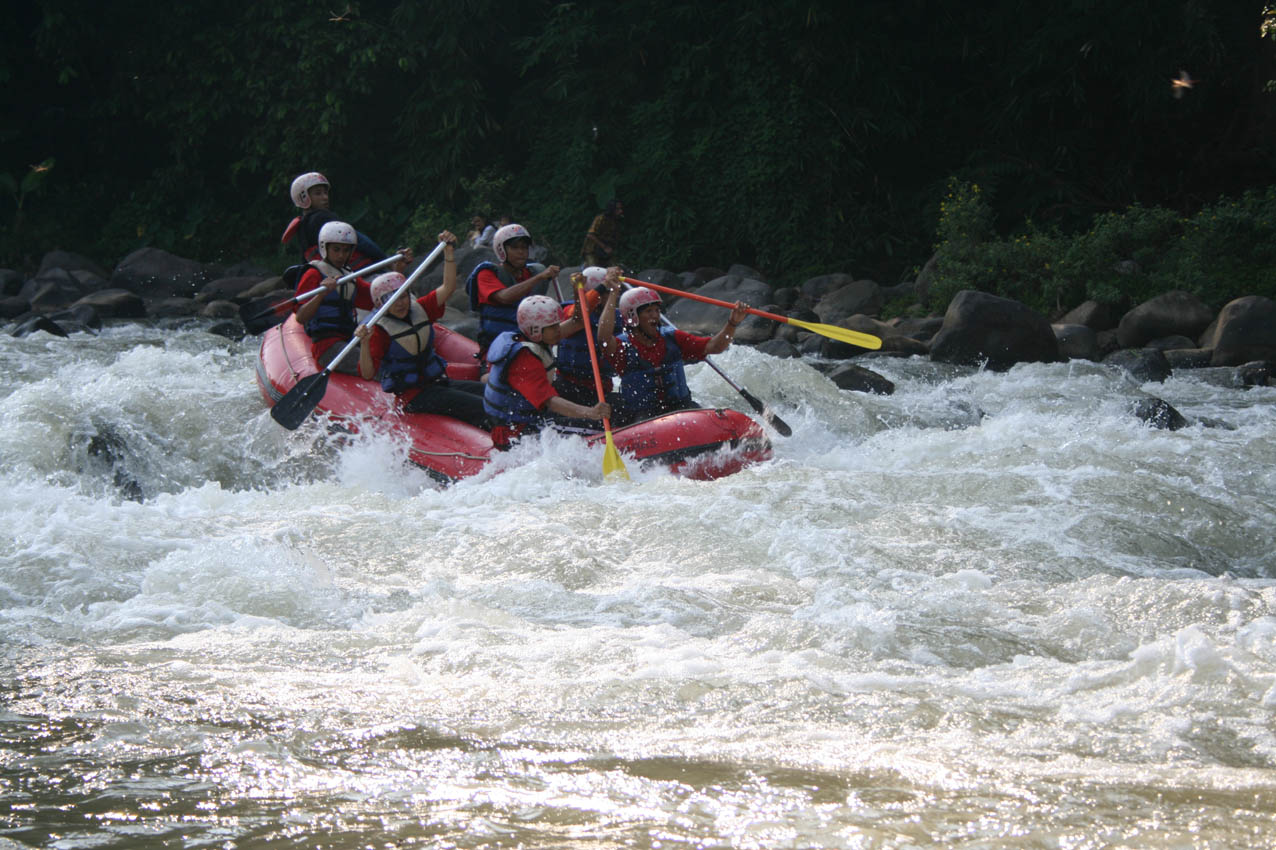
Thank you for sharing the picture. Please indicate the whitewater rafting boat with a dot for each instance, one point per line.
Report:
(703, 444)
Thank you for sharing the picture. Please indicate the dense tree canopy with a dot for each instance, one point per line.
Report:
(791, 134)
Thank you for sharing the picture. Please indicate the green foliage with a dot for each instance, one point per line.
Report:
(793, 135)
(1226, 250)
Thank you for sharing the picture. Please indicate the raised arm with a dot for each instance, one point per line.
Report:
(722, 339)
(445, 290)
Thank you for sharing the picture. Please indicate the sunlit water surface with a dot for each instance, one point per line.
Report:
(988, 611)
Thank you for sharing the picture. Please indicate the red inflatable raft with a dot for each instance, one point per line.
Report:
(702, 444)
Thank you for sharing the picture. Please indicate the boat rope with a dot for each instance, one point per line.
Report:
(448, 454)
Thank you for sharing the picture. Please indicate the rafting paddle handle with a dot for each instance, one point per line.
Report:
(756, 403)
(863, 340)
(252, 325)
(298, 403)
(613, 466)
(363, 272)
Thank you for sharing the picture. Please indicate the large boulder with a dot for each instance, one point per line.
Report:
(980, 328)
(229, 288)
(58, 259)
(114, 304)
(1093, 314)
(700, 318)
(12, 306)
(859, 296)
(663, 277)
(10, 282)
(1158, 413)
(1245, 330)
(1188, 358)
(174, 307)
(817, 287)
(921, 328)
(1142, 364)
(778, 348)
(152, 273)
(849, 376)
(54, 289)
(32, 324)
(1076, 342)
(266, 286)
(85, 315)
(1169, 314)
(741, 270)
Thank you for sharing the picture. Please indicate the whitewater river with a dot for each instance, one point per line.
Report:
(989, 611)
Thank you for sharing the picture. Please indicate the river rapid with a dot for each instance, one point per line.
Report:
(988, 611)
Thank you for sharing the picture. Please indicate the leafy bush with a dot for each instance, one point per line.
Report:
(1226, 250)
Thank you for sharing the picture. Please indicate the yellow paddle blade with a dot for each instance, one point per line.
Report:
(613, 466)
(840, 334)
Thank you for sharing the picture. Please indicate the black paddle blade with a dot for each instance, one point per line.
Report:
(300, 401)
(777, 423)
(768, 414)
(262, 314)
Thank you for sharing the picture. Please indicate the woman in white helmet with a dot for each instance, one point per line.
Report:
(520, 395)
(650, 358)
(496, 290)
(400, 348)
(312, 194)
(330, 319)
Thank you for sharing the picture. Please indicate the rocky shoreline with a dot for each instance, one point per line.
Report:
(1174, 331)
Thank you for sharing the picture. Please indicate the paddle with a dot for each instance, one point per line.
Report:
(767, 413)
(298, 402)
(863, 340)
(263, 320)
(613, 466)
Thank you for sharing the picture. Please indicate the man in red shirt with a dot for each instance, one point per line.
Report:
(520, 395)
(649, 358)
(330, 318)
(496, 290)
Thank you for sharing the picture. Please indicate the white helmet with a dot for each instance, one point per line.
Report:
(535, 313)
(505, 234)
(385, 285)
(633, 299)
(594, 276)
(336, 232)
(300, 191)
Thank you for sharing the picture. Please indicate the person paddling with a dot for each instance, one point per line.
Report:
(520, 396)
(650, 359)
(575, 375)
(312, 194)
(496, 290)
(399, 349)
(330, 319)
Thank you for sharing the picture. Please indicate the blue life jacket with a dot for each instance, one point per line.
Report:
(573, 354)
(494, 319)
(500, 400)
(335, 316)
(649, 389)
(410, 361)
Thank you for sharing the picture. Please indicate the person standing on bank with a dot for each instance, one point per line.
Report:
(496, 290)
(650, 359)
(603, 237)
(400, 348)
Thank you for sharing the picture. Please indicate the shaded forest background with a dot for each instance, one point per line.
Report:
(798, 137)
